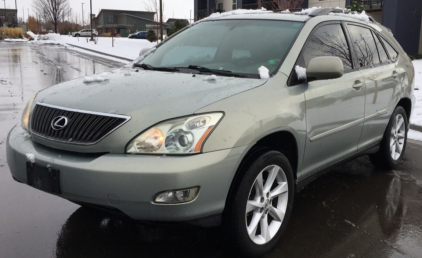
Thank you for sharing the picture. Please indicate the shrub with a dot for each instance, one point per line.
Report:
(355, 6)
(12, 32)
(151, 36)
(411, 57)
(418, 56)
(178, 25)
(107, 35)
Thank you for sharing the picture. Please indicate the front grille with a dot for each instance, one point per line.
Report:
(83, 127)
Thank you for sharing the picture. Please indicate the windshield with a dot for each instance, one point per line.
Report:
(233, 46)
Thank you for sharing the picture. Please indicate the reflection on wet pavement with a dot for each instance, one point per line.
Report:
(354, 211)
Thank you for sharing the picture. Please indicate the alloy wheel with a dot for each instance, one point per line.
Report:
(397, 137)
(267, 204)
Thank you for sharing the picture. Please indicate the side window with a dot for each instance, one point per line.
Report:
(391, 51)
(364, 45)
(381, 50)
(328, 40)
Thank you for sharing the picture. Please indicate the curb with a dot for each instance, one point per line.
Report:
(101, 53)
(416, 128)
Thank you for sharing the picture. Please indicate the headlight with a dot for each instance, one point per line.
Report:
(179, 136)
(26, 113)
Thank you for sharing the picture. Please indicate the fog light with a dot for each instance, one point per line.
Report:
(177, 196)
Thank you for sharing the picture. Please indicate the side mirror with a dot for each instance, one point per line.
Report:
(324, 68)
(144, 51)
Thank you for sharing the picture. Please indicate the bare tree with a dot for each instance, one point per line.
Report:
(51, 10)
(154, 6)
(280, 4)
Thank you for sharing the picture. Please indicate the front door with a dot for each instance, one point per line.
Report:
(334, 108)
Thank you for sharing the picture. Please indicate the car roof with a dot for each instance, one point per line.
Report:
(314, 14)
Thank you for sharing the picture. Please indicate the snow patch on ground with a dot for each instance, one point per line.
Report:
(414, 135)
(210, 78)
(15, 40)
(30, 157)
(301, 72)
(264, 72)
(416, 117)
(96, 78)
(32, 35)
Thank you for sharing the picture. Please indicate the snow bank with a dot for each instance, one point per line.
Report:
(264, 72)
(96, 78)
(32, 35)
(210, 78)
(416, 117)
(300, 72)
(414, 135)
(30, 157)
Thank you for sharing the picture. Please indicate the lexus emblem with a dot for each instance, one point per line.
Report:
(59, 123)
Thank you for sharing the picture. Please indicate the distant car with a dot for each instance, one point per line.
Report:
(138, 35)
(84, 33)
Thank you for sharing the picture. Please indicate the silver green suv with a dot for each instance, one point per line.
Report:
(223, 122)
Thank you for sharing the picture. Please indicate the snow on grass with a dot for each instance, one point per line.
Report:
(301, 73)
(414, 135)
(416, 117)
(96, 78)
(15, 40)
(264, 72)
(123, 47)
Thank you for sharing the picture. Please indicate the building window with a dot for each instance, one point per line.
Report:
(220, 7)
(2, 14)
(234, 7)
(110, 18)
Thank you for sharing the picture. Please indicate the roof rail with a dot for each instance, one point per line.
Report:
(325, 11)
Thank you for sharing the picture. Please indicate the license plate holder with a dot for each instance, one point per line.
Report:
(46, 179)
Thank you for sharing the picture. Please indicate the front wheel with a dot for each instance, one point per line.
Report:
(394, 141)
(258, 214)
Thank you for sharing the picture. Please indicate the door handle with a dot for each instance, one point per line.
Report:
(358, 84)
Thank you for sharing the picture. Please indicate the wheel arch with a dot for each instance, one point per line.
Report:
(282, 141)
(406, 103)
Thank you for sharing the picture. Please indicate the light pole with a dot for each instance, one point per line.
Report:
(4, 4)
(161, 20)
(92, 39)
(82, 15)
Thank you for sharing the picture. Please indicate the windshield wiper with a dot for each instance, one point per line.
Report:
(150, 67)
(214, 71)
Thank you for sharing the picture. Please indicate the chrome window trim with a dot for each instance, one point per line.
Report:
(127, 118)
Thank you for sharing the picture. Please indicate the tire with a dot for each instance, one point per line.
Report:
(77, 35)
(263, 212)
(393, 143)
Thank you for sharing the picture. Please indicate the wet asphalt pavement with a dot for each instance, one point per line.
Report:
(354, 211)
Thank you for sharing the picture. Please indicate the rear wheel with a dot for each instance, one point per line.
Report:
(394, 141)
(259, 212)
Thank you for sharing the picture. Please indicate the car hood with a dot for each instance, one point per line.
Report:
(150, 96)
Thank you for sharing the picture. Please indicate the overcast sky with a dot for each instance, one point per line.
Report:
(181, 8)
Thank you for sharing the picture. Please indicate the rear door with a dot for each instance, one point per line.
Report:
(381, 80)
(334, 108)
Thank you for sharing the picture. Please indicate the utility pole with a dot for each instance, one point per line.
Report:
(4, 4)
(23, 17)
(28, 11)
(161, 20)
(92, 39)
(82, 15)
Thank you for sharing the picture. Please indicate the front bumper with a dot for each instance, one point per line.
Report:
(130, 182)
